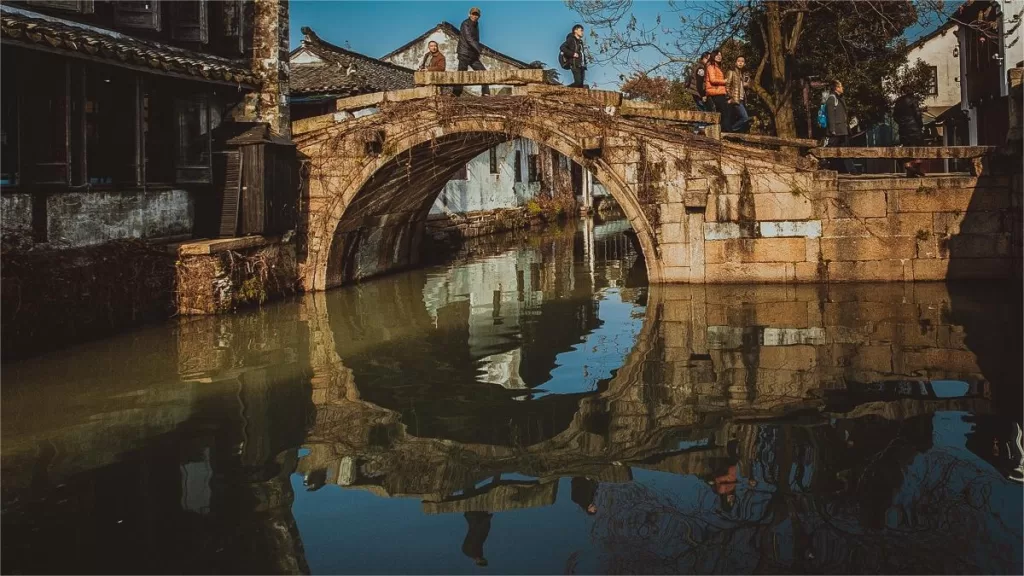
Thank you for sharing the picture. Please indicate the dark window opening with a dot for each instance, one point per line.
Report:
(519, 166)
(48, 102)
(157, 133)
(462, 174)
(9, 122)
(494, 160)
(533, 168)
(101, 123)
(194, 143)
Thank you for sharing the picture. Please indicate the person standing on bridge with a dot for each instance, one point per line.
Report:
(469, 49)
(715, 88)
(838, 124)
(574, 52)
(736, 87)
(695, 83)
(433, 60)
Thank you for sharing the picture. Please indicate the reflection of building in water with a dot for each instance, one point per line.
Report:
(174, 463)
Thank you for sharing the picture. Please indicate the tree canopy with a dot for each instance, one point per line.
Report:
(790, 46)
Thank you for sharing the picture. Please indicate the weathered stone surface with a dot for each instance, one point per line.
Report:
(721, 230)
(923, 152)
(755, 250)
(630, 108)
(870, 270)
(730, 272)
(807, 229)
(854, 204)
(511, 76)
(867, 248)
(897, 225)
(928, 199)
(951, 223)
(783, 206)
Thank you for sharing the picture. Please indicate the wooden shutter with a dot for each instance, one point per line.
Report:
(189, 23)
(231, 18)
(80, 6)
(140, 15)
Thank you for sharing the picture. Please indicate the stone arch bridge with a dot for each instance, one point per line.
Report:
(705, 210)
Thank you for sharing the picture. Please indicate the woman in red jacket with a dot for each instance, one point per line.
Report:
(715, 88)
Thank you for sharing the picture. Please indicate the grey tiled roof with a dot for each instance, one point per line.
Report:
(26, 28)
(332, 74)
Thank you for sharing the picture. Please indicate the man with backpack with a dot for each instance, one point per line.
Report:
(469, 49)
(695, 83)
(837, 125)
(572, 55)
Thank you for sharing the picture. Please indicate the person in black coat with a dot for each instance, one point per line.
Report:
(906, 112)
(468, 51)
(479, 528)
(574, 51)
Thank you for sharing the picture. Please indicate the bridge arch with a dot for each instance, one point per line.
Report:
(371, 204)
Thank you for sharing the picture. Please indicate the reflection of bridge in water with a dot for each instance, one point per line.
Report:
(435, 386)
(708, 365)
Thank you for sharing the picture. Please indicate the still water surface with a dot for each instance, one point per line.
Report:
(531, 407)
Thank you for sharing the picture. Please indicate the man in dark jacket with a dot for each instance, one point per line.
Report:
(469, 48)
(695, 83)
(574, 51)
(906, 112)
(838, 123)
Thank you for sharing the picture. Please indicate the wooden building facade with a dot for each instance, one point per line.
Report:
(109, 110)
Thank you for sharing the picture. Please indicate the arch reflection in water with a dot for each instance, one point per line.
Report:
(471, 412)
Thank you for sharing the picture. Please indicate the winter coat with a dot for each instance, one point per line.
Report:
(695, 84)
(907, 115)
(835, 111)
(434, 62)
(574, 45)
(734, 86)
(469, 41)
(714, 81)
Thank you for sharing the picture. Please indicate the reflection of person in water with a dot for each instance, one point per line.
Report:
(479, 527)
(583, 493)
(726, 477)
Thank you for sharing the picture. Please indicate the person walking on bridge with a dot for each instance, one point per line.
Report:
(469, 49)
(574, 53)
(715, 88)
(433, 60)
(838, 124)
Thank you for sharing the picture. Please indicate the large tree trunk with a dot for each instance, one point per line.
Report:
(782, 109)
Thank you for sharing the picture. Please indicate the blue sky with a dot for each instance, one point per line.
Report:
(526, 29)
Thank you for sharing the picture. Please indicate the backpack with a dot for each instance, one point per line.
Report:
(564, 62)
(822, 116)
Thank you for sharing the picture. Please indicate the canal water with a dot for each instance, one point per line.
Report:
(531, 406)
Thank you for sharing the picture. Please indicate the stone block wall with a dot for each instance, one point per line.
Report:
(760, 226)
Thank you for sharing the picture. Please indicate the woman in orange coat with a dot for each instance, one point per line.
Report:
(715, 88)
